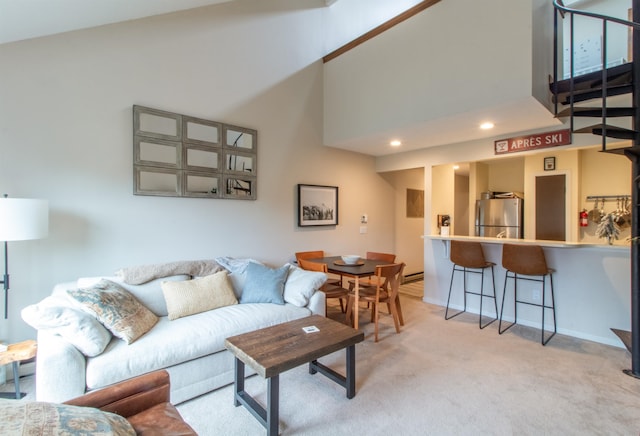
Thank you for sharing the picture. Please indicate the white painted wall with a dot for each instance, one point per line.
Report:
(588, 30)
(346, 20)
(66, 136)
(376, 87)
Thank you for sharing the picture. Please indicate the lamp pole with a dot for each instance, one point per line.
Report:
(5, 277)
(5, 280)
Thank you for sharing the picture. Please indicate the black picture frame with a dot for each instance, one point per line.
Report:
(549, 163)
(317, 205)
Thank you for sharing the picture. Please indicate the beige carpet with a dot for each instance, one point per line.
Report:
(442, 377)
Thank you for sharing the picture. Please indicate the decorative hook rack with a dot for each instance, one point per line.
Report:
(608, 197)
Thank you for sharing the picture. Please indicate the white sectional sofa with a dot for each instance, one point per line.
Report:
(191, 348)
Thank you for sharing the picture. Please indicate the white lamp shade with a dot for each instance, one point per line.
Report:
(23, 218)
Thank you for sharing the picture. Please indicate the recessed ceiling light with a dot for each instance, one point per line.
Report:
(395, 143)
(487, 125)
(456, 167)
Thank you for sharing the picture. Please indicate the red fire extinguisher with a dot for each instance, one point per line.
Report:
(584, 221)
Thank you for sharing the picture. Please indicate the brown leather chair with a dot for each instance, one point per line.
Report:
(143, 401)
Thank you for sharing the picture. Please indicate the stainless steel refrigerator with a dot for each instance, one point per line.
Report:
(499, 217)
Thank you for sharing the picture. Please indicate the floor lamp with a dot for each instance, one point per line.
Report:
(21, 219)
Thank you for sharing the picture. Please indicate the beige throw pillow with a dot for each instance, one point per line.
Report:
(198, 295)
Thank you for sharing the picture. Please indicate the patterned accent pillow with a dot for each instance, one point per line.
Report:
(198, 295)
(38, 418)
(263, 284)
(116, 309)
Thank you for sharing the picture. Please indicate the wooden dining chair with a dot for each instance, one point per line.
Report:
(330, 290)
(386, 258)
(317, 254)
(387, 284)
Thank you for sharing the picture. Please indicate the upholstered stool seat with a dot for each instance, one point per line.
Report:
(528, 261)
(468, 258)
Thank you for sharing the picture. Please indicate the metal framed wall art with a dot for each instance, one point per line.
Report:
(317, 205)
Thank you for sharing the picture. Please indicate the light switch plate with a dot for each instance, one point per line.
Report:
(363, 230)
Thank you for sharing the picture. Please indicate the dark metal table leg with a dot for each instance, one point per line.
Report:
(351, 371)
(238, 383)
(273, 384)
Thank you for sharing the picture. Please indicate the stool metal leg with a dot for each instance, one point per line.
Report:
(544, 307)
(483, 296)
(515, 299)
(453, 271)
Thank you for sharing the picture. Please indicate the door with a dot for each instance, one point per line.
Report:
(551, 207)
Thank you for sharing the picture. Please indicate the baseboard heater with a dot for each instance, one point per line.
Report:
(414, 277)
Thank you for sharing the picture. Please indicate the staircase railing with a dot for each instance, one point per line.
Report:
(633, 152)
(561, 10)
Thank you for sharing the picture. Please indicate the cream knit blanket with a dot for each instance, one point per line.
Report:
(141, 274)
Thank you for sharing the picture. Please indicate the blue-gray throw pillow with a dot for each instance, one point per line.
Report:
(263, 284)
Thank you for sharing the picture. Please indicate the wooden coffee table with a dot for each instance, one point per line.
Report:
(273, 350)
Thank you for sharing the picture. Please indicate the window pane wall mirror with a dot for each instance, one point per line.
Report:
(201, 158)
(157, 181)
(183, 156)
(201, 185)
(153, 123)
(239, 138)
(202, 131)
(239, 187)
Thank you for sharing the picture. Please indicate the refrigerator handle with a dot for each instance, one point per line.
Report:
(477, 220)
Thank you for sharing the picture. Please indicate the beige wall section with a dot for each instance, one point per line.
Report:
(66, 136)
(506, 175)
(461, 205)
(602, 174)
(442, 201)
(409, 246)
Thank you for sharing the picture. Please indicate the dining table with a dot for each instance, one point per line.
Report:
(362, 268)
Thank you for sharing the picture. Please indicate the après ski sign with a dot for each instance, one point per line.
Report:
(533, 142)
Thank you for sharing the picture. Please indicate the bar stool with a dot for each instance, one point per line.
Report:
(468, 257)
(527, 260)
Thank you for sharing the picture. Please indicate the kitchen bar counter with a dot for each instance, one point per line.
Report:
(540, 242)
(592, 284)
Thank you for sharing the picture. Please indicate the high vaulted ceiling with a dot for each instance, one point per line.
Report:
(25, 19)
